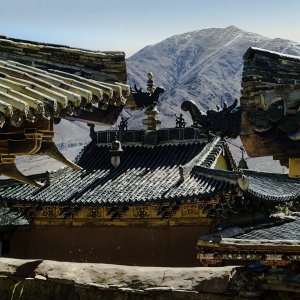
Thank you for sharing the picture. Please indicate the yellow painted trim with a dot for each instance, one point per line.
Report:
(221, 163)
(135, 215)
(182, 213)
(294, 167)
(124, 223)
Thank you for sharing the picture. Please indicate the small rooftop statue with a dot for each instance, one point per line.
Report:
(123, 126)
(180, 122)
(223, 122)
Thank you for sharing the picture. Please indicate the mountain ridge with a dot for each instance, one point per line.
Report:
(202, 58)
(203, 65)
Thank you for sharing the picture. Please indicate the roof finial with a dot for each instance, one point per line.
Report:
(151, 111)
(150, 84)
(149, 100)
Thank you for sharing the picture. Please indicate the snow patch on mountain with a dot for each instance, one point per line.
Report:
(203, 65)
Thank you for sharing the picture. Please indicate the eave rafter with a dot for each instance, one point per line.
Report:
(31, 99)
(33, 93)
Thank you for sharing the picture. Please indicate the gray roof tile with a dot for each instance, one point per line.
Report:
(272, 187)
(290, 230)
(145, 174)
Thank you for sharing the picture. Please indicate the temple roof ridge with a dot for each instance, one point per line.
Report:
(144, 174)
(138, 136)
(282, 176)
(52, 93)
(34, 44)
(271, 54)
(206, 157)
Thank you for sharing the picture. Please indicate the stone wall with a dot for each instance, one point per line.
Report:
(45, 280)
(102, 66)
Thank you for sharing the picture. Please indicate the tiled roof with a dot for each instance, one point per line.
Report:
(275, 242)
(270, 84)
(164, 135)
(272, 187)
(108, 66)
(32, 93)
(146, 173)
(264, 72)
(183, 170)
(286, 230)
(42, 83)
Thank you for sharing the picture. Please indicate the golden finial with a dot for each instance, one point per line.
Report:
(150, 85)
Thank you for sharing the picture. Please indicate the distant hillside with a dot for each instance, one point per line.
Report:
(204, 65)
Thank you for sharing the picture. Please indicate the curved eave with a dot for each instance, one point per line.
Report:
(272, 188)
(32, 93)
(140, 179)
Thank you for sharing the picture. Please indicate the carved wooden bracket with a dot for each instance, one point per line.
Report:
(117, 212)
(167, 210)
(68, 212)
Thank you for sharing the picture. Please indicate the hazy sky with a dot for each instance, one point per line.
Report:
(129, 25)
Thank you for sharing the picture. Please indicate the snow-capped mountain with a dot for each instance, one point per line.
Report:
(204, 65)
